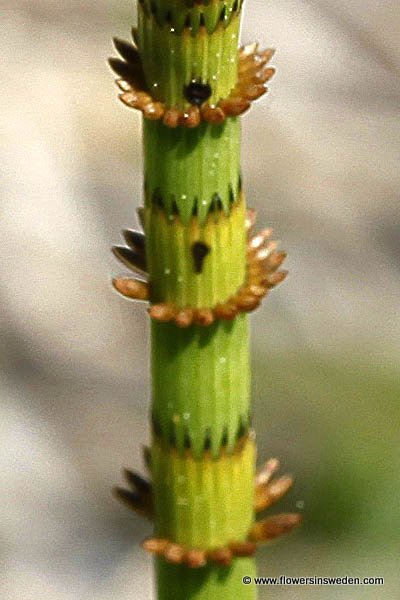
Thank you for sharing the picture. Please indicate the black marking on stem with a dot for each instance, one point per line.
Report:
(207, 440)
(197, 92)
(199, 252)
(242, 429)
(174, 208)
(187, 440)
(216, 203)
(155, 426)
(224, 440)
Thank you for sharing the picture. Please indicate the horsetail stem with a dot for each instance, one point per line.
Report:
(201, 275)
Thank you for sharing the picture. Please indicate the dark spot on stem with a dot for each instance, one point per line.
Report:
(224, 441)
(197, 92)
(199, 252)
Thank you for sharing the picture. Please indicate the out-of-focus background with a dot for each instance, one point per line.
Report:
(320, 163)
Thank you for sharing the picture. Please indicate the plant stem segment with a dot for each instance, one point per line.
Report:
(203, 456)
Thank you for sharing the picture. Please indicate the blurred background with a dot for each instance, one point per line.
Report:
(320, 163)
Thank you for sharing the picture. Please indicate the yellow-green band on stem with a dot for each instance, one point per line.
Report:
(178, 275)
(180, 44)
(205, 502)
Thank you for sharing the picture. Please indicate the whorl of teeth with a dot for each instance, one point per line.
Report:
(263, 261)
(268, 491)
(262, 532)
(195, 558)
(138, 497)
(253, 74)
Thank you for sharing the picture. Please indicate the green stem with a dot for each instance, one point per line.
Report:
(209, 583)
(203, 455)
(201, 381)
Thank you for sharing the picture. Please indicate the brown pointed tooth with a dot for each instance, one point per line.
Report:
(248, 49)
(258, 240)
(212, 114)
(133, 501)
(274, 279)
(190, 117)
(155, 545)
(195, 558)
(137, 482)
(135, 99)
(256, 76)
(203, 316)
(131, 288)
(162, 312)
(258, 291)
(267, 54)
(234, 106)
(247, 303)
(171, 117)
(251, 216)
(253, 91)
(147, 456)
(243, 548)
(153, 111)
(264, 252)
(265, 473)
(226, 311)
(248, 66)
(267, 495)
(123, 85)
(174, 553)
(255, 267)
(141, 215)
(221, 556)
(273, 527)
(265, 75)
(280, 487)
(275, 260)
(184, 318)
